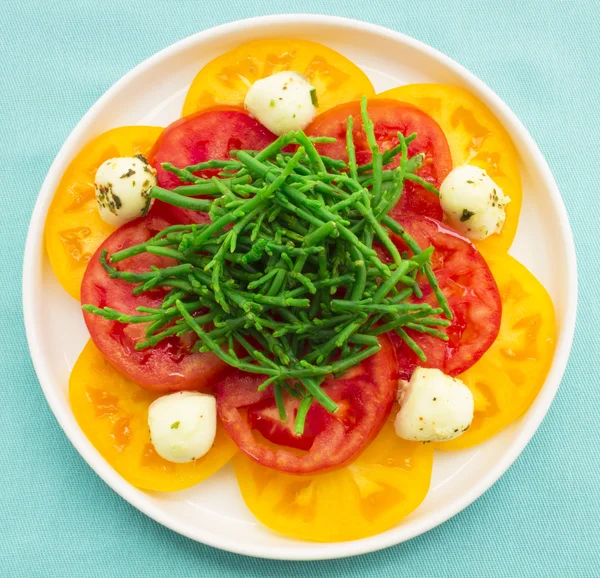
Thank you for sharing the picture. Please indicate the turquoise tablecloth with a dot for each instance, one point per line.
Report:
(57, 518)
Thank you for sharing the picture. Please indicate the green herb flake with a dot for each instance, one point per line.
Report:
(127, 174)
(466, 215)
(495, 199)
(175, 425)
(272, 103)
(313, 97)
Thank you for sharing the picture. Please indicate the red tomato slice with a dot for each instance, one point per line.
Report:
(389, 117)
(264, 418)
(364, 395)
(206, 135)
(177, 214)
(170, 366)
(472, 293)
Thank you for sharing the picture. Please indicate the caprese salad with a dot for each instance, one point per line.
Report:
(304, 277)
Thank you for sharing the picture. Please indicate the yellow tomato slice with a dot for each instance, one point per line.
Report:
(475, 136)
(385, 484)
(226, 79)
(506, 380)
(112, 411)
(74, 229)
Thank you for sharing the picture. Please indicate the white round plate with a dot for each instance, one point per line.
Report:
(213, 512)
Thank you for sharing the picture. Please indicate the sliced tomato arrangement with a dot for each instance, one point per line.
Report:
(469, 286)
(364, 397)
(390, 117)
(347, 475)
(171, 365)
(112, 411)
(207, 135)
(382, 486)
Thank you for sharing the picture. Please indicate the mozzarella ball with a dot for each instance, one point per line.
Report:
(282, 102)
(122, 189)
(473, 203)
(183, 425)
(434, 407)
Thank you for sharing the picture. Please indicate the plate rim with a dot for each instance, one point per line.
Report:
(34, 246)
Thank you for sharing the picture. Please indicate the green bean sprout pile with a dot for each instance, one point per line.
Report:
(285, 281)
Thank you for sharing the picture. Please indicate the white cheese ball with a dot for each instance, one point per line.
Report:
(473, 203)
(122, 188)
(282, 102)
(183, 425)
(434, 407)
